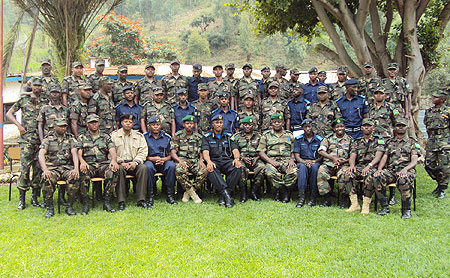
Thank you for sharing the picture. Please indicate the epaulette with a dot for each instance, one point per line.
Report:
(234, 111)
(299, 137)
(214, 110)
(361, 96)
(307, 101)
(207, 134)
(339, 99)
(146, 133)
(229, 134)
(266, 131)
(166, 134)
(319, 137)
(192, 105)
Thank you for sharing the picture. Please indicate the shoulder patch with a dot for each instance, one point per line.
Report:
(338, 99)
(300, 136)
(207, 134)
(417, 145)
(166, 134)
(214, 110)
(381, 141)
(319, 137)
(395, 112)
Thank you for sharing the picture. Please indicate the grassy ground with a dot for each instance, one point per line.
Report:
(254, 239)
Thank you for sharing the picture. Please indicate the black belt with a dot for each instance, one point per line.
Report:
(296, 127)
(352, 129)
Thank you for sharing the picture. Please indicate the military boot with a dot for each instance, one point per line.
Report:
(277, 195)
(243, 190)
(85, 201)
(21, 204)
(186, 197)
(406, 209)
(344, 201)
(313, 196)
(62, 195)
(34, 201)
(107, 204)
(49, 206)
(392, 200)
(354, 203)
(69, 208)
(436, 190)
(284, 194)
(301, 198)
(150, 191)
(384, 206)
(366, 205)
(327, 202)
(441, 194)
(229, 202)
(221, 200)
(254, 189)
(194, 196)
(169, 197)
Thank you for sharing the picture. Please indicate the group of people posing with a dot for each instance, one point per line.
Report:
(194, 129)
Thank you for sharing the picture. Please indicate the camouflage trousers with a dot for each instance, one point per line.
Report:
(324, 175)
(258, 176)
(368, 181)
(437, 165)
(182, 174)
(28, 161)
(283, 176)
(390, 176)
(102, 171)
(60, 174)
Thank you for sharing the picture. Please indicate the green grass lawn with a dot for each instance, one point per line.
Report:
(268, 239)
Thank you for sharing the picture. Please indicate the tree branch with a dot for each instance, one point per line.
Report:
(421, 9)
(328, 53)
(361, 15)
(330, 8)
(443, 18)
(389, 18)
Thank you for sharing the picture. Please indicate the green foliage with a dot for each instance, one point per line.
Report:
(202, 22)
(198, 47)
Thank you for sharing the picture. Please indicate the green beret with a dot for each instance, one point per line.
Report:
(247, 120)
(277, 116)
(337, 121)
(188, 118)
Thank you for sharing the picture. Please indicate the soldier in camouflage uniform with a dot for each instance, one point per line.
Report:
(284, 86)
(173, 82)
(204, 108)
(120, 83)
(185, 150)
(248, 141)
(335, 151)
(275, 148)
(229, 78)
(94, 78)
(59, 161)
(274, 105)
(293, 82)
(398, 166)
(30, 104)
(397, 89)
(51, 112)
(250, 110)
(94, 148)
(70, 84)
(245, 84)
(157, 107)
(79, 111)
(365, 154)
(217, 85)
(383, 114)
(323, 113)
(145, 86)
(337, 89)
(102, 105)
(369, 82)
(47, 78)
(437, 158)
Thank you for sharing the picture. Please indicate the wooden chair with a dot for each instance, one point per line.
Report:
(14, 154)
(101, 180)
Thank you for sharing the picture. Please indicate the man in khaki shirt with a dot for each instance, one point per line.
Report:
(131, 149)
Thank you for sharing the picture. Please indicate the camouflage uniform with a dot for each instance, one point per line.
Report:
(29, 142)
(69, 86)
(336, 91)
(117, 90)
(95, 153)
(384, 118)
(103, 106)
(47, 82)
(366, 87)
(144, 89)
(280, 149)
(215, 88)
(163, 110)
(248, 148)
(79, 112)
(437, 158)
(339, 147)
(284, 91)
(270, 107)
(323, 116)
(396, 91)
(255, 115)
(94, 80)
(50, 113)
(292, 84)
(59, 161)
(171, 85)
(231, 82)
(188, 150)
(244, 86)
(204, 115)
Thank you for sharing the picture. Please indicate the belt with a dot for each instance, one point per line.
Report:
(296, 127)
(352, 129)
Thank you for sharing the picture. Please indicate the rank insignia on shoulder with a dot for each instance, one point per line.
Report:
(381, 142)
(396, 112)
(417, 145)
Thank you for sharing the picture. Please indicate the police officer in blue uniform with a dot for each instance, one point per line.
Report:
(354, 108)
(221, 153)
(194, 80)
(159, 160)
(181, 110)
(308, 162)
(229, 116)
(312, 86)
(129, 106)
(298, 106)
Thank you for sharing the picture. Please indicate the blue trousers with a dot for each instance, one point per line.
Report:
(306, 175)
(168, 169)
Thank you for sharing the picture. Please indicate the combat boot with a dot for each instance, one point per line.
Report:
(301, 198)
(327, 202)
(441, 194)
(69, 208)
(384, 206)
(85, 208)
(34, 201)
(406, 209)
(169, 197)
(344, 201)
(366, 205)
(243, 190)
(392, 200)
(229, 202)
(312, 201)
(254, 192)
(107, 204)
(284, 194)
(277, 195)
(21, 204)
(354, 203)
(186, 197)
(436, 190)
(62, 196)
(194, 196)
(150, 194)
(50, 209)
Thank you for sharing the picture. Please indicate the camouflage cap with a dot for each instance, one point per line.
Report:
(100, 62)
(189, 118)
(105, 80)
(368, 65)
(77, 64)
(322, 89)
(203, 87)
(401, 121)
(280, 66)
(392, 66)
(351, 81)
(229, 66)
(127, 117)
(36, 81)
(274, 84)
(379, 89)
(265, 68)
(175, 61)
(313, 69)
(247, 66)
(439, 93)
(337, 121)
(92, 118)
(60, 122)
(341, 70)
(158, 91)
(248, 94)
(182, 91)
(122, 68)
(294, 71)
(197, 66)
(149, 65)
(223, 94)
(127, 88)
(277, 116)
(306, 122)
(217, 118)
(46, 61)
(247, 120)
(55, 88)
(86, 86)
(154, 119)
(367, 121)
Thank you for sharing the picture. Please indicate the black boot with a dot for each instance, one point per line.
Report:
(34, 201)
(327, 202)
(286, 195)
(21, 204)
(436, 190)
(345, 201)
(69, 208)
(229, 202)
(62, 195)
(85, 201)
(107, 204)
(221, 201)
(384, 206)
(301, 198)
(406, 209)
(440, 194)
(50, 209)
(150, 200)
(243, 193)
(392, 200)
(312, 201)
(169, 198)
(278, 195)
(254, 192)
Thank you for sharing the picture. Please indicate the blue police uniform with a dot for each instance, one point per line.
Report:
(193, 87)
(307, 151)
(353, 111)
(310, 92)
(230, 119)
(159, 147)
(220, 147)
(180, 112)
(298, 110)
(135, 110)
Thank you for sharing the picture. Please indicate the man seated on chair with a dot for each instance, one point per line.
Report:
(59, 161)
(94, 148)
(131, 150)
(159, 160)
